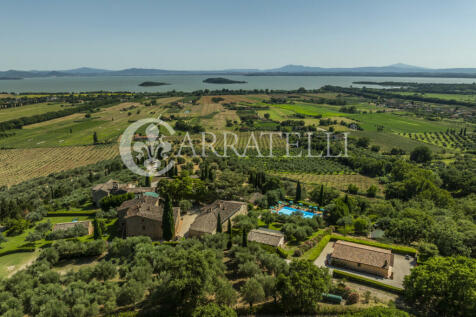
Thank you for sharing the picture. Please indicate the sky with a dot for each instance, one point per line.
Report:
(223, 34)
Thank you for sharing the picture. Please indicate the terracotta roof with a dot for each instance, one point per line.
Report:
(265, 236)
(207, 221)
(364, 254)
(146, 207)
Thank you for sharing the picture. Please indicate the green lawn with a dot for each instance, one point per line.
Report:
(12, 262)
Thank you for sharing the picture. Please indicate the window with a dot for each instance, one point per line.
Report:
(358, 264)
(143, 227)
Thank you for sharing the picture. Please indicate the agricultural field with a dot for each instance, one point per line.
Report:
(76, 129)
(312, 109)
(340, 182)
(447, 140)
(457, 97)
(388, 141)
(401, 122)
(29, 110)
(17, 165)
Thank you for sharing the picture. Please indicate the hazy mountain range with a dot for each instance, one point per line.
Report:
(288, 70)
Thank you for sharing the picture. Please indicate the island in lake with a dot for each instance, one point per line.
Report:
(152, 83)
(220, 80)
(10, 78)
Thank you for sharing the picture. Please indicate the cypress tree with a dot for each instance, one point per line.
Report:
(168, 225)
(147, 181)
(97, 230)
(230, 235)
(95, 138)
(219, 228)
(321, 196)
(298, 191)
(245, 238)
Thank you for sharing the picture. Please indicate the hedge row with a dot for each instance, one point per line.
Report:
(366, 281)
(19, 250)
(395, 248)
(314, 253)
(72, 213)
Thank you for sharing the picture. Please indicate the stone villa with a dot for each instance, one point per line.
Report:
(113, 187)
(267, 236)
(362, 258)
(142, 216)
(206, 222)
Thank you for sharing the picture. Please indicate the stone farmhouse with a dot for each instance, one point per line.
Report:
(67, 225)
(206, 222)
(142, 216)
(363, 258)
(267, 236)
(113, 187)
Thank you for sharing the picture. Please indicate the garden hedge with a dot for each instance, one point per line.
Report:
(366, 281)
(395, 248)
(72, 213)
(314, 253)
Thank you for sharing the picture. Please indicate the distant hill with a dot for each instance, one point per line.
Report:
(398, 69)
(152, 84)
(221, 80)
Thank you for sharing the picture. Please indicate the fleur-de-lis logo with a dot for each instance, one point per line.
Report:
(150, 149)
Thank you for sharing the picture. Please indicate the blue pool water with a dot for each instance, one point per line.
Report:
(288, 211)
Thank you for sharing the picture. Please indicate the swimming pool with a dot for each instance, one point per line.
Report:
(288, 211)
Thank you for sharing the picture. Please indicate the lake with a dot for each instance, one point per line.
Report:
(194, 82)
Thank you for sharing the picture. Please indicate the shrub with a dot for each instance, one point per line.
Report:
(281, 253)
(372, 191)
(352, 189)
(353, 298)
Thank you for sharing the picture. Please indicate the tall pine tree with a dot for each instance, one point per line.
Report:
(298, 191)
(168, 225)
